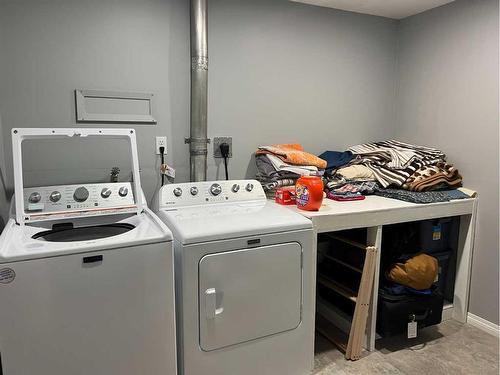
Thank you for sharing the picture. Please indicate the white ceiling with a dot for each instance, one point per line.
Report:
(396, 9)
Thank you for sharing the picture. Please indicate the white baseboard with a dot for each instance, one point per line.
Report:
(483, 324)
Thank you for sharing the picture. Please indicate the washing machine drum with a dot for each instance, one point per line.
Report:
(68, 233)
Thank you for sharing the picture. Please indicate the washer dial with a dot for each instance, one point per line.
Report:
(106, 193)
(235, 188)
(34, 197)
(123, 191)
(81, 194)
(177, 191)
(249, 187)
(55, 196)
(194, 191)
(215, 189)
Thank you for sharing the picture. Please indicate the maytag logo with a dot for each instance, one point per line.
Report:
(7, 275)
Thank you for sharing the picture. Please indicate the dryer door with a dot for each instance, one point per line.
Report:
(248, 294)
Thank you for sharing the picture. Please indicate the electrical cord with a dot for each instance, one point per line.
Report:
(224, 150)
(162, 156)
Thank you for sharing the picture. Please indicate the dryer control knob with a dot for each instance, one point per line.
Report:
(55, 196)
(123, 191)
(34, 197)
(215, 189)
(249, 187)
(194, 190)
(106, 193)
(81, 194)
(178, 192)
(235, 188)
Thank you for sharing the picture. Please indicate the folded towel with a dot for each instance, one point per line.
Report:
(336, 159)
(434, 177)
(267, 171)
(293, 154)
(356, 171)
(280, 165)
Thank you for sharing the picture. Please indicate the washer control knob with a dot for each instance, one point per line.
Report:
(123, 191)
(34, 197)
(215, 189)
(55, 196)
(106, 193)
(194, 191)
(249, 187)
(177, 191)
(81, 194)
(235, 188)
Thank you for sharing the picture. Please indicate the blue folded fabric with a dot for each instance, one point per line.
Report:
(336, 159)
(398, 289)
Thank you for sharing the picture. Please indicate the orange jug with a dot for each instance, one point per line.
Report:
(309, 193)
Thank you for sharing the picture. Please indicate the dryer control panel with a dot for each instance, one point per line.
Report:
(210, 192)
(70, 199)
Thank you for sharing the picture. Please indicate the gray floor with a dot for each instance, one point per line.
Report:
(450, 348)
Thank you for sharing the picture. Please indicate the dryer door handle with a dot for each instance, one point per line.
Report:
(211, 308)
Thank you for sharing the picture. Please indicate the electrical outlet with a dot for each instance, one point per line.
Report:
(161, 142)
(217, 143)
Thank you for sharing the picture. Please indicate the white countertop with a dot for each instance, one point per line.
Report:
(376, 210)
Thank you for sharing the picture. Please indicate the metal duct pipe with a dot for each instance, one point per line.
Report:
(199, 91)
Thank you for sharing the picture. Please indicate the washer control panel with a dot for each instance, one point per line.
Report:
(76, 198)
(200, 193)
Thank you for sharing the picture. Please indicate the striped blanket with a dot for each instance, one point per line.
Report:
(393, 162)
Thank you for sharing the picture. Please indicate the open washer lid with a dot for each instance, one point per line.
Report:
(22, 134)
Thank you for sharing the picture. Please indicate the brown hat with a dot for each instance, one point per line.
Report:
(418, 272)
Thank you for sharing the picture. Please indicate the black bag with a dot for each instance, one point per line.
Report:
(399, 240)
(396, 311)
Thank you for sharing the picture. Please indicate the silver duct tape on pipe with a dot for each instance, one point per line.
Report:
(199, 91)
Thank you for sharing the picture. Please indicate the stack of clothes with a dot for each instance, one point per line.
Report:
(282, 164)
(394, 169)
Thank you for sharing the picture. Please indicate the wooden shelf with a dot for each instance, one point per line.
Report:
(331, 332)
(338, 288)
(334, 314)
(347, 241)
(351, 267)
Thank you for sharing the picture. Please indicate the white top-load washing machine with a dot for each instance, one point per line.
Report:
(86, 277)
(244, 280)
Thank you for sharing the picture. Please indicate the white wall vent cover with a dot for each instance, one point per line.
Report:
(114, 107)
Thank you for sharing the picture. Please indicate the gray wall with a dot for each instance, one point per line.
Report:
(448, 98)
(4, 204)
(279, 72)
(3, 193)
(53, 47)
(287, 72)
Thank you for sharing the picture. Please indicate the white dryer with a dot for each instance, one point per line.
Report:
(86, 278)
(244, 280)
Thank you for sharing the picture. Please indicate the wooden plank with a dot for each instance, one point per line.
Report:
(351, 352)
(345, 264)
(364, 301)
(374, 237)
(354, 336)
(339, 288)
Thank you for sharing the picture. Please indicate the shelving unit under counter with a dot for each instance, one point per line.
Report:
(374, 213)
